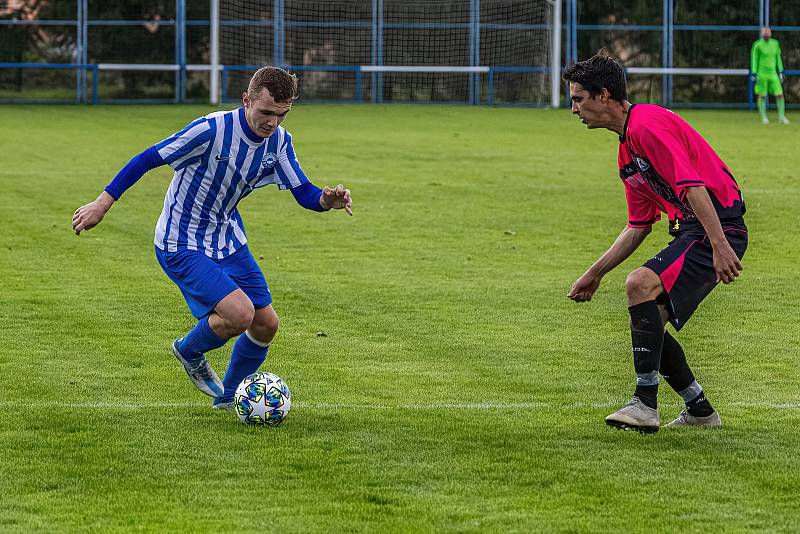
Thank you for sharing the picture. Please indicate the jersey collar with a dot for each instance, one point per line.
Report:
(248, 132)
(625, 126)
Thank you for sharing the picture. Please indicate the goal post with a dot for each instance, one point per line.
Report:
(454, 51)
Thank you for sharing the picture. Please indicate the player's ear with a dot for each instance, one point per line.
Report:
(604, 95)
(246, 99)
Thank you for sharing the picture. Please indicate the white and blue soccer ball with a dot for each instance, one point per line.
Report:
(263, 399)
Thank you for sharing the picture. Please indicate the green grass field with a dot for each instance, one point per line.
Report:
(457, 389)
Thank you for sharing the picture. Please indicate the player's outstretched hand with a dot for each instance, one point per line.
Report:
(584, 287)
(726, 264)
(337, 199)
(88, 216)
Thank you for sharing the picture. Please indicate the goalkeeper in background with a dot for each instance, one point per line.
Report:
(766, 68)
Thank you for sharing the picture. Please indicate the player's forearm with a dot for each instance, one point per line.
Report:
(704, 211)
(135, 169)
(625, 245)
(309, 196)
(105, 200)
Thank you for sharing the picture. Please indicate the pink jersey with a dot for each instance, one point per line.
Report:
(660, 156)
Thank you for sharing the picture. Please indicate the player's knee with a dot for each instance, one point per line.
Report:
(266, 324)
(642, 283)
(241, 318)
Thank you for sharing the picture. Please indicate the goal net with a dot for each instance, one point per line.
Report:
(455, 51)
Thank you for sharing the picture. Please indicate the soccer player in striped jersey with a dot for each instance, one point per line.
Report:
(200, 239)
(666, 167)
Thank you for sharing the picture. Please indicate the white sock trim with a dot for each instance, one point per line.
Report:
(254, 340)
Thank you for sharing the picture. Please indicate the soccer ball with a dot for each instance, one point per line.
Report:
(263, 399)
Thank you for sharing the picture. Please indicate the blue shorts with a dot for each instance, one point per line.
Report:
(205, 281)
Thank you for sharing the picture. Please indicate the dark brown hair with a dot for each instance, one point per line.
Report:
(599, 71)
(280, 84)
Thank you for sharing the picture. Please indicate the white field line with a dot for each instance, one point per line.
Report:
(444, 406)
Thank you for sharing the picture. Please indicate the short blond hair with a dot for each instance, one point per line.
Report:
(281, 84)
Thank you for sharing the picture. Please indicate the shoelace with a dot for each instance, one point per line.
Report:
(202, 370)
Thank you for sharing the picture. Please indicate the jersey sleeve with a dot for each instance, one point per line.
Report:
(778, 58)
(670, 157)
(289, 172)
(186, 146)
(642, 212)
(754, 56)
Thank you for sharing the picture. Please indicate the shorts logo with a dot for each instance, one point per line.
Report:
(269, 160)
(642, 163)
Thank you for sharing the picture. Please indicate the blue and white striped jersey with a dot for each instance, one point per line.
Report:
(218, 160)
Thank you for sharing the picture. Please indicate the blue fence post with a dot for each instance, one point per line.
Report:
(278, 42)
(95, 83)
(490, 87)
(664, 50)
(572, 29)
(670, 49)
(85, 47)
(180, 50)
(475, 51)
(379, 91)
(78, 51)
(373, 93)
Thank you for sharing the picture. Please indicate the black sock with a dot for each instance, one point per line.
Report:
(679, 376)
(647, 338)
(647, 394)
(699, 406)
(674, 367)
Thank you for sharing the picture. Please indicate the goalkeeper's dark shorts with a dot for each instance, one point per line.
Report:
(686, 268)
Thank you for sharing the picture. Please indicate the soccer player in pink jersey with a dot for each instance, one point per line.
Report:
(666, 167)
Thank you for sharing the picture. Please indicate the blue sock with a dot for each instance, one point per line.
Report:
(199, 340)
(246, 358)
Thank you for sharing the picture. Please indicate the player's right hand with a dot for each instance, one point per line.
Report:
(584, 287)
(88, 216)
(727, 264)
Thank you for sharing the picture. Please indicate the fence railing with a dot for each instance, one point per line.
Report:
(576, 37)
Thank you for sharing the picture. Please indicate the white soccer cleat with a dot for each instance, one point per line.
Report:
(200, 373)
(784, 120)
(635, 415)
(764, 120)
(687, 419)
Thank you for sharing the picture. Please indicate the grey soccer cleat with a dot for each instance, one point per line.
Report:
(635, 416)
(228, 406)
(200, 373)
(687, 419)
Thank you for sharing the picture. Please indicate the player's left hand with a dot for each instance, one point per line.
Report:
(726, 264)
(780, 75)
(337, 198)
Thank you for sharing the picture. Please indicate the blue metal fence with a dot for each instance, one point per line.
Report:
(86, 93)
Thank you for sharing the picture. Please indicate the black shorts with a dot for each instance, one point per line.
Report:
(686, 269)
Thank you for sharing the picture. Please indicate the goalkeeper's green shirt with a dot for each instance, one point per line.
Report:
(765, 58)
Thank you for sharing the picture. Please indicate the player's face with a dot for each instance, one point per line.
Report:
(263, 114)
(590, 110)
